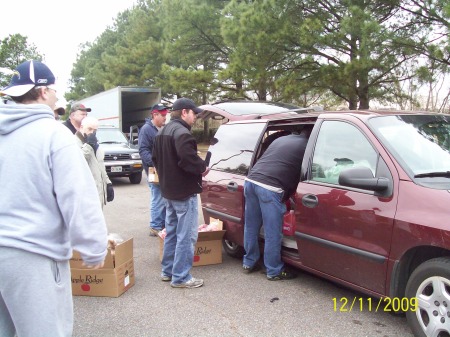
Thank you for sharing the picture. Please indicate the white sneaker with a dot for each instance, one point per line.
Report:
(192, 283)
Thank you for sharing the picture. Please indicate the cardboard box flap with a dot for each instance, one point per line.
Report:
(124, 252)
(217, 221)
(109, 261)
(209, 236)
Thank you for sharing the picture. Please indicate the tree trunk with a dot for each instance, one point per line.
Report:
(363, 89)
(353, 104)
(364, 102)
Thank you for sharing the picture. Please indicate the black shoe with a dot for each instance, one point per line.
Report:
(166, 278)
(284, 275)
(249, 270)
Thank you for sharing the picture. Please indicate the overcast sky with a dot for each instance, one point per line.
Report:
(58, 27)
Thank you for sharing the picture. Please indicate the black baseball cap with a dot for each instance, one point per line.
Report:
(186, 103)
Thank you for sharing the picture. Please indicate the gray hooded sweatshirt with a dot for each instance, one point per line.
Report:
(48, 198)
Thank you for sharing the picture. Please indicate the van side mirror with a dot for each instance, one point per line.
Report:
(362, 177)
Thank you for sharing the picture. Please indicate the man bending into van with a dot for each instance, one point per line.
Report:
(270, 182)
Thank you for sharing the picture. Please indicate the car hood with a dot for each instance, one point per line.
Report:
(123, 148)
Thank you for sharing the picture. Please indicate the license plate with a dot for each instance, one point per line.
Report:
(116, 168)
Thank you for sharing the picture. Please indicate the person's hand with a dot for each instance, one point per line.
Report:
(94, 266)
(109, 193)
(206, 172)
(92, 140)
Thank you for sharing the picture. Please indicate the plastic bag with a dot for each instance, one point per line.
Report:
(289, 223)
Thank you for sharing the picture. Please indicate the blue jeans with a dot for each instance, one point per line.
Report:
(181, 237)
(263, 207)
(157, 207)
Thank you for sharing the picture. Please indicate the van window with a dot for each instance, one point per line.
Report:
(234, 147)
(339, 146)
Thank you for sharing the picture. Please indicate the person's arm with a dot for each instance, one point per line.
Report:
(101, 163)
(145, 146)
(88, 150)
(189, 160)
(78, 201)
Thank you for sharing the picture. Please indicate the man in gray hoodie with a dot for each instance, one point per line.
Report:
(48, 205)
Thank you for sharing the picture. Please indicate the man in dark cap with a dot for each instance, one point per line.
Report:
(147, 135)
(180, 171)
(77, 112)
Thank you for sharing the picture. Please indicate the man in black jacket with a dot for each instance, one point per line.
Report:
(180, 171)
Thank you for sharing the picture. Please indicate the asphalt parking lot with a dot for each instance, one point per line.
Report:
(229, 304)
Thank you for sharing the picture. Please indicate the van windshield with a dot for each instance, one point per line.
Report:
(421, 143)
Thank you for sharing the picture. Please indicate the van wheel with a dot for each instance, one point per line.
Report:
(135, 178)
(430, 285)
(233, 249)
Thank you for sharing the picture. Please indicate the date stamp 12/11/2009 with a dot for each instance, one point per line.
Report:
(386, 304)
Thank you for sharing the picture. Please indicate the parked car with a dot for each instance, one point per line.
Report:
(122, 158)
(372, 209)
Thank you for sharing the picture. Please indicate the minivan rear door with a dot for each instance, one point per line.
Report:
(223, 186)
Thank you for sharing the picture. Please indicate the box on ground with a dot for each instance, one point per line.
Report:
(116, 276)
(208, 249)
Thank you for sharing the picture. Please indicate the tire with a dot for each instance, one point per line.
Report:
(430, 284)
(135, 178)
(233, 249)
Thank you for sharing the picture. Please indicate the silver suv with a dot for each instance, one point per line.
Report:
(122, 157)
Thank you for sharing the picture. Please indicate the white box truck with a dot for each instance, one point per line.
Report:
(123, 107)
(122, 110)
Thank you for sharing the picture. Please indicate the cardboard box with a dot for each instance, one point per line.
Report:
(208, 249)
(152, 175)
(116, 276)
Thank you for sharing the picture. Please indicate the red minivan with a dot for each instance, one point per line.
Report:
(372, 209)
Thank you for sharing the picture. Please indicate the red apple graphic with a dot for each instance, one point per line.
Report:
(196, 258)
(85, 287)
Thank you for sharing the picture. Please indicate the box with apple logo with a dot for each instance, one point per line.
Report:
(116, 276)
(208, 249)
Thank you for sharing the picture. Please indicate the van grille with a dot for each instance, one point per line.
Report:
(117, 156)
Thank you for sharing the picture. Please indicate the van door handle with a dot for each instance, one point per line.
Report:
(310, 200)
(232, 186)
